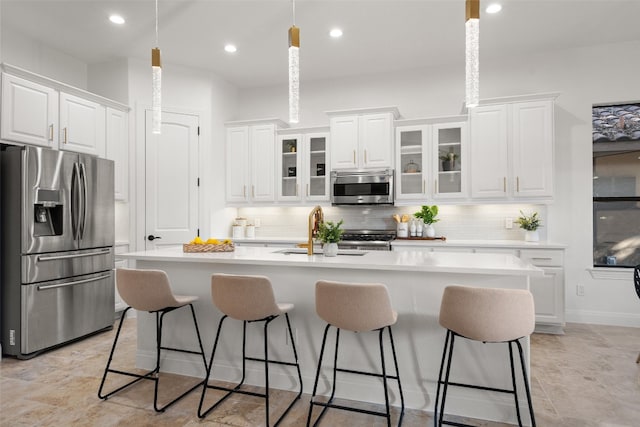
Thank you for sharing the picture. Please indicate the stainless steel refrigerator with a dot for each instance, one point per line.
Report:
(57, 248)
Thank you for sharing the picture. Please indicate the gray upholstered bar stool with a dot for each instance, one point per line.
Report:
(490, 316)
(149, 290)
(249, 299)
(356, 307)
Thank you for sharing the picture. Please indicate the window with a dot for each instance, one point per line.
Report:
(616, 185)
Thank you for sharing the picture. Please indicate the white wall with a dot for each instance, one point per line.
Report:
(24, 52)
(583, 76)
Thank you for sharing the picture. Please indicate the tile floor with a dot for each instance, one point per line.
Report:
(587, 377)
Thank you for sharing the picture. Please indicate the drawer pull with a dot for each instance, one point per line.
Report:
(542, 259)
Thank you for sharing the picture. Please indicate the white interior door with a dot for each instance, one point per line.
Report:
(171, 182)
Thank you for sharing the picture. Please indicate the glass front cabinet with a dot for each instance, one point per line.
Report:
(302, 167)
(430, 161)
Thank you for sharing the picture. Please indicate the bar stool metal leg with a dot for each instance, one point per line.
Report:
(526, 384)
(152, 375)
(265, 360)
(384, 376)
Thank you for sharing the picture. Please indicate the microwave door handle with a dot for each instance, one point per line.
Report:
(83, 176)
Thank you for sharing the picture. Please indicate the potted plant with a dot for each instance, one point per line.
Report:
(529, 223)
(428, 216)
(330, 233)
(448, 161)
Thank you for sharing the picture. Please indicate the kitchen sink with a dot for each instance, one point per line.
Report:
(290, 251)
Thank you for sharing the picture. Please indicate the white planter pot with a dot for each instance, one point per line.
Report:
(330, 249)
(531, 236)
(429, 231)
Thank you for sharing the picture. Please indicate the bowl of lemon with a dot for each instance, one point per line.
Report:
(209, 245)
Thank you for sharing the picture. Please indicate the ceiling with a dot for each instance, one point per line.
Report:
(379, 35)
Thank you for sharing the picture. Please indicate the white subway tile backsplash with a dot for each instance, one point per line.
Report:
(469, 222)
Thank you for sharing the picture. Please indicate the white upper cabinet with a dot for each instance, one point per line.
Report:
(251, 160)
(263, 149)
(117, 146)
(82, 125)
(29, 112)
(362, 139)
(431, 160)
(301, 167)
(532, 136)
(512, 150)
(40, 111)
(237, 164)
(489, 155)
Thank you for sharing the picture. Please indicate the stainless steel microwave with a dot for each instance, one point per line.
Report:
(362, 187)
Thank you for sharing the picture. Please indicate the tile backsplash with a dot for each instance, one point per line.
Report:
(473, 222)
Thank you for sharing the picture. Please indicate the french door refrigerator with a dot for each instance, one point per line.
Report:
(57, 248)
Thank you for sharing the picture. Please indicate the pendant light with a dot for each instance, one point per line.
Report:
(156, 95)
(294, 69)
(472, 45)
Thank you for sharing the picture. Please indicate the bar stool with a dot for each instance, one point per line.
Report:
(149, 290)
(490, 316)
(249, 299)
(356, 307)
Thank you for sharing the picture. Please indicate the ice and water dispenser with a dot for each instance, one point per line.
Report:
(48, 213)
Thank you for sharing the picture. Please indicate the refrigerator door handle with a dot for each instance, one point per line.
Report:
(77, 282)
(58, 257)
(83, 177)
(75, 183)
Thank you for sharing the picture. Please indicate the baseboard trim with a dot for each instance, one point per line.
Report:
(603, 318)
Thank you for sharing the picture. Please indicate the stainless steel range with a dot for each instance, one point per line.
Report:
(369, 240)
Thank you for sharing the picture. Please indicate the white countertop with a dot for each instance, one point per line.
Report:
(441, 262)
(515, 244)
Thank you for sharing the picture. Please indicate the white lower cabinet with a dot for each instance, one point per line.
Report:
(548, 290)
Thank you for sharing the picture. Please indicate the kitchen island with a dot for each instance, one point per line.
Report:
(415, 280)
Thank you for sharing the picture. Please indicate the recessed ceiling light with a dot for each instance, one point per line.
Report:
(116, 19)
(494, 8)
(335, 33)
(230, 48)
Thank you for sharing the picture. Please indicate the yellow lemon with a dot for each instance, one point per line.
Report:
(197, 240)
(212, 241)
(227, 242)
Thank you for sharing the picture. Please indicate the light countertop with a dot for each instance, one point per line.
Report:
(441, 262)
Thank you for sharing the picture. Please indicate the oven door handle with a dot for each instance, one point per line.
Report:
(77, 282)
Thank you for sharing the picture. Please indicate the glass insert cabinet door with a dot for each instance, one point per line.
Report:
(411, 158)
(448, 143)
(290, 167)
(302, 167)
(318, 186)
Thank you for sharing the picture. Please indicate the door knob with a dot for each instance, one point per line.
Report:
(151, 237)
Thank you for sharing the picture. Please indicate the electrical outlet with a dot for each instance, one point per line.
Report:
(580, 290)
(256, 222)
(508, 223)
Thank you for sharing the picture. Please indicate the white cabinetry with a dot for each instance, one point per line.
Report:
(362, 139)
(301, 167)
(251, 161)
(512, 149)
(82, 125)
(29, 112)
(40, 111)
(117, 146)
(547, 290)
(421, 173)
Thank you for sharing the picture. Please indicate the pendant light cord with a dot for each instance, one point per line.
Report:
(156, 23)
(293, 9)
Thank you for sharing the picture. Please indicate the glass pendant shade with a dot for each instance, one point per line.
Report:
(156, 92)
(472, 55)
(294, 74)
(472, 75)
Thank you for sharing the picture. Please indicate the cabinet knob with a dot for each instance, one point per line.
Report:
(51, 132)
(64, 131)
(365, 157)
(518, 184)
(504, 184)
(354, 156)
(244, 191)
